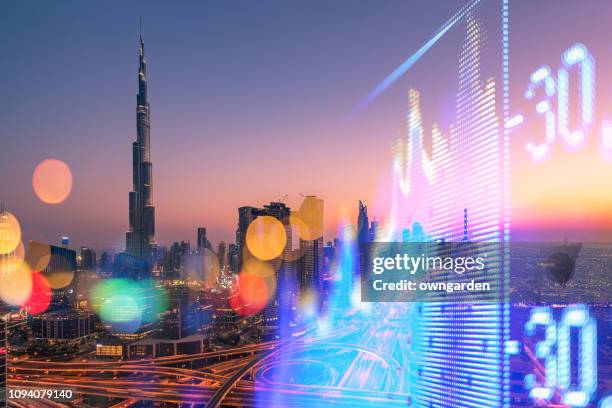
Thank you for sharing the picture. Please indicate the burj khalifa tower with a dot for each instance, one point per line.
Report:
(140, 238)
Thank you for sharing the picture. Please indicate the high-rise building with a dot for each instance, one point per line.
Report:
(310, 264)
(61, 263)
(88, 259)
(174, 259)
(363, 228)
(185, 248)
(130, 267)
(184, 316)
(363, 236)
(286, 289)
(201, 238)
(203, 242)
(106, 262)
(325, 278)
(232, 257)
(373, 230)
(418, 233)
(246, 215)
(140, 238)
(221, 254)
(61, 325)
(328, 252)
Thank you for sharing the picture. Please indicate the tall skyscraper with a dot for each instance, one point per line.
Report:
(246, 215)
(203, 242)
(221, 254)
(363, 225)
(232, 257)
(279, 309)
(88, 259)
(373, 230)
(140, 239)
(62, 261)
(175, 259)
(406, 235)
(363, 236)
(183, 317)
(310, 265)
(418, 233)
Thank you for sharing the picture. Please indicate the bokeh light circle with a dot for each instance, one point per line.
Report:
(266, 237)
(155, 296)
(59, 279)
(40, 297)
(298, 228)
(203, 268)
(123, 304)
(116, 302)
(15, 281)
(52, 181)
(311, 214)
(19, 252)
(308, 304)
(38, 255)
(251, 294)
(263, 269)
(10, 232)
(120, 308)
(85, 282)
(62, 274)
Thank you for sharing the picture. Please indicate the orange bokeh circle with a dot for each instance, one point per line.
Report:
(266, 237)
(10, 233)
(52, 181)
(251, 294)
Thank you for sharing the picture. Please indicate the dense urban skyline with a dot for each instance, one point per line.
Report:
(338, 203)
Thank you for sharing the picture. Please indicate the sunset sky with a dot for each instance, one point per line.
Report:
(250, 102)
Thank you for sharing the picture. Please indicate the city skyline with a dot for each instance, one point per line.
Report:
(217, 151)
(184, 143)
(323, 203)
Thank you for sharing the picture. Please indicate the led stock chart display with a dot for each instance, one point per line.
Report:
(510, 144)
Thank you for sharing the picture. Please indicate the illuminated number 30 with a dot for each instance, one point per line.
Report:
(575, 56)
(558, 367)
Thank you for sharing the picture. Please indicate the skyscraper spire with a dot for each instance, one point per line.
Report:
(363, 224)
(140, 238)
